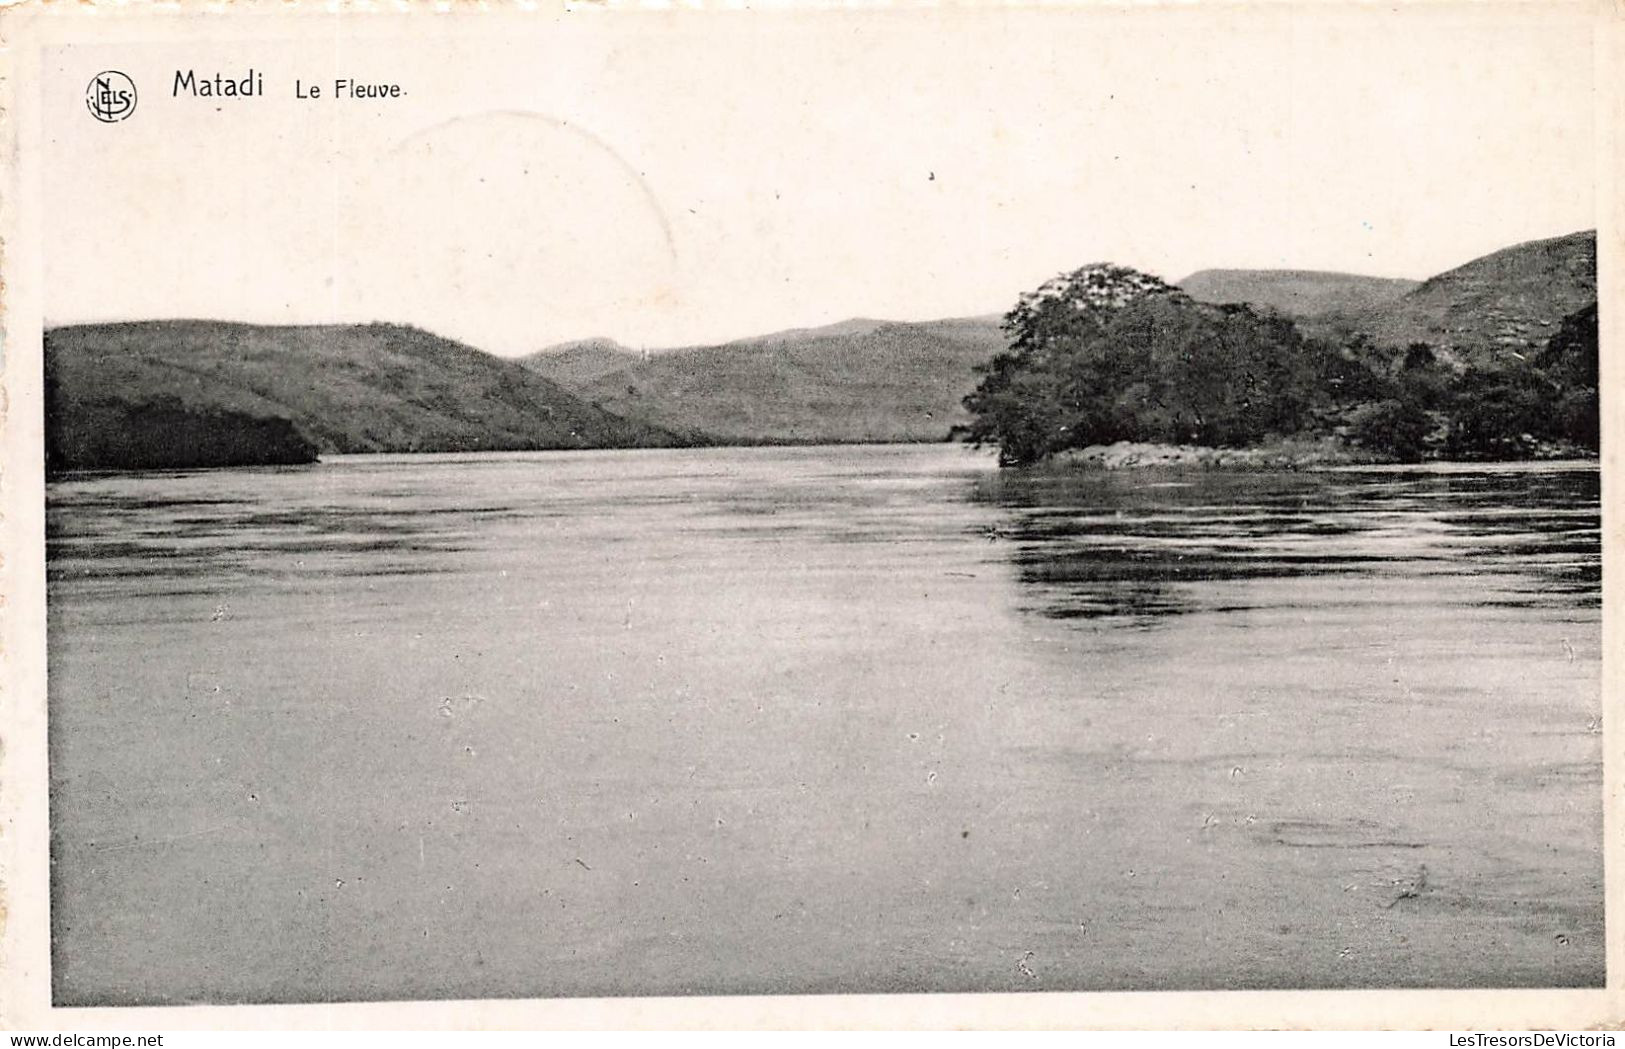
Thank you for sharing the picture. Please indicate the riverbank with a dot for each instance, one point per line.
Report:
(1281, 455)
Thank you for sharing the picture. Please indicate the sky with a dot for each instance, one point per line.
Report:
(684, 178)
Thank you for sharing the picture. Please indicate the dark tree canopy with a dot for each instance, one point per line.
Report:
(1106, 354)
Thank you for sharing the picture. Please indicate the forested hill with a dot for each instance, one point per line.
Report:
(201, 393)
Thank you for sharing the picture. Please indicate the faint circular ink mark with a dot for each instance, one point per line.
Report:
(110, 96)
(634, 176)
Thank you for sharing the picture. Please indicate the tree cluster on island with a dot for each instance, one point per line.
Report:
(1108, 354)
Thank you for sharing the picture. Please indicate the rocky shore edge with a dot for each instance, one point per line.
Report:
(1281, 455)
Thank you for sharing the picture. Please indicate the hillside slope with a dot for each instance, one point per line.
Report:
(343, 388)
(572, 364)
(1300, 293)
(1510, 301)
(850, 382)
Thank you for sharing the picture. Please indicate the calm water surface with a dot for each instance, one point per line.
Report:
(820, 720)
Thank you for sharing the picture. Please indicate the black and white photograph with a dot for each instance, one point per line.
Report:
(992, 500)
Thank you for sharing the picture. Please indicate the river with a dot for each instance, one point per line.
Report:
(844, 719)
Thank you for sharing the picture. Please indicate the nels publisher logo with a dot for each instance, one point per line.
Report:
(110, 96)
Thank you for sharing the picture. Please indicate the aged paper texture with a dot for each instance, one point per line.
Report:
(1077, 515)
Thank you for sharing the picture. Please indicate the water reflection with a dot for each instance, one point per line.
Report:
(1140, 546)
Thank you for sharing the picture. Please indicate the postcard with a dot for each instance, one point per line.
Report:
(1063, 515)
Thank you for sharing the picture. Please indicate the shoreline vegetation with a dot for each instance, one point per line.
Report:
(1122, 456)
(1104, 367)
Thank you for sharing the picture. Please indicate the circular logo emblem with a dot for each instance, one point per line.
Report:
(110, 96)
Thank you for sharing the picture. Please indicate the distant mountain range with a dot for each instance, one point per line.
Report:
(276, 394)
(868, 380)
(859, 380)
